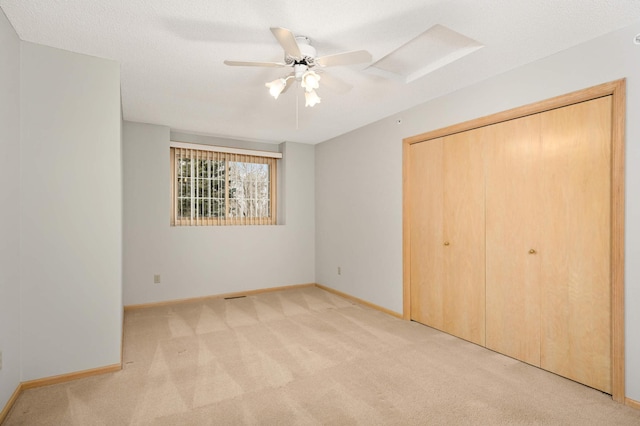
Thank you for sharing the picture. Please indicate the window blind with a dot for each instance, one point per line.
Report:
(210, 187)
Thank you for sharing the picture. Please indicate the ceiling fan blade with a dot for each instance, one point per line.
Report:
(254, 64)
(345, 58)
(287, 40)
(334, 84)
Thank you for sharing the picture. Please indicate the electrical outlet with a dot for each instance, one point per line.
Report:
(339, 270)
(0, 360)
(156, 279)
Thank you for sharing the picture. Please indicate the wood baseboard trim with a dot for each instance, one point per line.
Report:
(5, 411)
(52, 381)
(46, 381)
(360, 301)
(216, 296)
(632, 403)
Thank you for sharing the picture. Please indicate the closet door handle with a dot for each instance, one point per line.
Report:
(532, 251)
(446, 243)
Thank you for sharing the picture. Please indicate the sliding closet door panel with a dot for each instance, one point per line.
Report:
(463, 237)
(576, 312)
(427, 278)
(514, 237)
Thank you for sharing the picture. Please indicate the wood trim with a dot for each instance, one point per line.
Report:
(122, 341)
(617, 240)
(260, 291)
(594, 92)
(617, 90)
(216, 296)
(174, 204)
(273, 180)
(628, 401)
(406, 232)
(9, 405)
(267, 220)
(53, 380)
(225, 149)
(360, 301)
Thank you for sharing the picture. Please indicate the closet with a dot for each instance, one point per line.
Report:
(510, 234)
(447, 251)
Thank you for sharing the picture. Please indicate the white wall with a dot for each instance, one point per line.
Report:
(70, 211)
(359, 175)
(9, 212)
(201, 261)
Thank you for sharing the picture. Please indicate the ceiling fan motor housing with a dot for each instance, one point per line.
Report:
(307, 53)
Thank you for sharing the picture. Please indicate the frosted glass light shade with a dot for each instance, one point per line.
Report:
(276, 87)
(311, 98)
(310, 81)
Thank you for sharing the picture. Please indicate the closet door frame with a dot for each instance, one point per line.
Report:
(617, 90)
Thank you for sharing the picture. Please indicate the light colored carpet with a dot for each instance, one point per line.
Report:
(305, 356)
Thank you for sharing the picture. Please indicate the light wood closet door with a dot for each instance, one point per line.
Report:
(464, 236)
(427, 267)
(447, 235)
(514, 237)
(576, 307)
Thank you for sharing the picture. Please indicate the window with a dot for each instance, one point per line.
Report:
(222, 186)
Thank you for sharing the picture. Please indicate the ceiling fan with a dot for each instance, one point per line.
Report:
(300, 55)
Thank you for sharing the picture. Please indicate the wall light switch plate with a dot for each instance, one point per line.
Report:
(156, 279)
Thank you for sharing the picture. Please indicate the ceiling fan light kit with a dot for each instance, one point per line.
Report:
(300, 55)
(311, 98)
(308, 79)
(277, 86)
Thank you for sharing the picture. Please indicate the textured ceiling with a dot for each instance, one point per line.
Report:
(172, 52)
